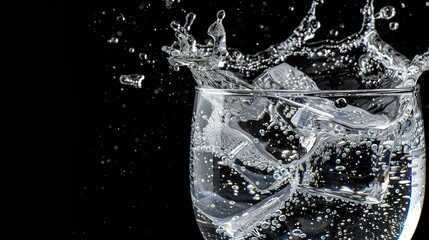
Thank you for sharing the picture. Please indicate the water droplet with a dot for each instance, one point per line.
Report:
(168, 4)
(393, 26)
(132, 79)
(221, 15)
(113, 40)
(120, 17)
(386, 12)
(190, 17)
(175, 25)
(143, 56)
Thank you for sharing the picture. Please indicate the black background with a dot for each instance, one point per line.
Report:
(87, 158)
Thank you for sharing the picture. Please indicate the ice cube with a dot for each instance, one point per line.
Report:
(239, 225)
(322, 113)
(296, 133)
(284, 76)
(237, 150)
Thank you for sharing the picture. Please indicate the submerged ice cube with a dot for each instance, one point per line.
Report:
(354, 168)
(324, 146)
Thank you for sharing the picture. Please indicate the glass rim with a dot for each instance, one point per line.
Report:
(334, 93)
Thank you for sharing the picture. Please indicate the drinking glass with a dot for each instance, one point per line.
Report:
(323, 164)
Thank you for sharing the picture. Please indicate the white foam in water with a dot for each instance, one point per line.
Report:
(307, 167)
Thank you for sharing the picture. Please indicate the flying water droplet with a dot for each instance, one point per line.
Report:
(217, 32)
(386, 12)
(221, 15)
(132, 80)
(393, 26)
(169, 4)
(113, 40)
(143, 56)
(189, 21)
(120, 17)
(333, 32)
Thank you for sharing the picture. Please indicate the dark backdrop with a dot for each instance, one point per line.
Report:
(87, 158)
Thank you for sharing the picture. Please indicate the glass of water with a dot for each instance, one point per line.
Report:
(322, 164)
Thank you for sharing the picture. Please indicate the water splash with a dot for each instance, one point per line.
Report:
(360, 61)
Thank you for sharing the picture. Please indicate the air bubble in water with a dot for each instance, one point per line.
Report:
(265, 225)
(296, 232)
(131, 50)
(393, 26)
(341, 103)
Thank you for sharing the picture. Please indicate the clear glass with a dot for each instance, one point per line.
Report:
(307, 165)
